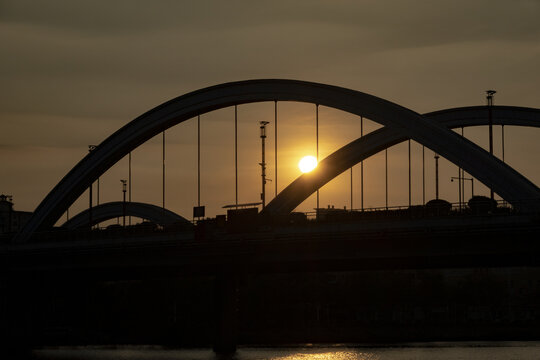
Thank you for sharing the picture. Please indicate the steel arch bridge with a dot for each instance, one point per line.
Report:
(399, 124)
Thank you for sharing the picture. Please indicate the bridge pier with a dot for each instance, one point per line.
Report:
(16, 316)
(226, 294)
(4, 312)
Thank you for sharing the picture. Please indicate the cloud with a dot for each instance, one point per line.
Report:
(415, 20)
(74, 72)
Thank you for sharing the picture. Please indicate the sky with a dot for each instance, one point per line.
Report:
(73, 72)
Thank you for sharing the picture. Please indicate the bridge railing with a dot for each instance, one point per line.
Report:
(331, 214)
(498, 207)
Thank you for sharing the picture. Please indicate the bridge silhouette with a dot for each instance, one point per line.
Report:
(277, 239)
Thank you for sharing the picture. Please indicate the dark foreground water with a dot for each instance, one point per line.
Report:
(429, 351)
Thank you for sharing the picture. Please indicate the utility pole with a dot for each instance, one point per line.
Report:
(263, 162)
(489, 97)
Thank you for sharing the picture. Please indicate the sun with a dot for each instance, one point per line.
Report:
(307, 163)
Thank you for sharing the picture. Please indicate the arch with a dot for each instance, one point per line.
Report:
(480, 164)
(111, 210)
(478, 115)
(362, 148)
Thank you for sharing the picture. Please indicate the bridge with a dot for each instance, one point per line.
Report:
(276, 238)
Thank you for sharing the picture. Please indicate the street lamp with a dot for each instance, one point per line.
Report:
(124, 187)
(459, 187)
(462, 194)
(472, 186)
(263, 163)
(90, 149)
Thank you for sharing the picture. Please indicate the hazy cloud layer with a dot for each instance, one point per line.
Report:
(415, 22)
(74, 71)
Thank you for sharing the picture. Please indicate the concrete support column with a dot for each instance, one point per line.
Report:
(16, 316)
(4, 321)
(226, 294)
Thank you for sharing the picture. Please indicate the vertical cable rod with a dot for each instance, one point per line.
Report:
(198, 160)
(436, 157)
(410, 199)
(90, 205)
(463, 188)
(423, 176)
(386, 176)
(460, 195)
(489, 99)
(351, 188)
(163, 175)
(362, 167)
(317, 143)
(462, 178)
(502, 141)
(459, 187)
(129, 182)
(235, 156)
(275, 147)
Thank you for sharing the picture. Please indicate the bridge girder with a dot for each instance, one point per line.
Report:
(505, 181)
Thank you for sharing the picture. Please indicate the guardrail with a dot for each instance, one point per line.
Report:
(453, 209)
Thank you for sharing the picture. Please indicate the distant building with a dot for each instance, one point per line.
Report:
(10, 220)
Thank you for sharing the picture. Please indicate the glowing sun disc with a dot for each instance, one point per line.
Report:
(307, 163)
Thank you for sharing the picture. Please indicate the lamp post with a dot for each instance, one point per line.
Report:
(462, 194)
(263, 162)
(90, 149)
(472, 186)
(459, 187)
(124, 188)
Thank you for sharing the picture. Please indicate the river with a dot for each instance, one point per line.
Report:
(420, 351)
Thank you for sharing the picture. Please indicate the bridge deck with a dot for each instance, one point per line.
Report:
(460, 242)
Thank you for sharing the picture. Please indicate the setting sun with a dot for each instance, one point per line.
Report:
(307, 163)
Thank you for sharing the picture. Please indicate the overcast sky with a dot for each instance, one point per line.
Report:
(75, 71)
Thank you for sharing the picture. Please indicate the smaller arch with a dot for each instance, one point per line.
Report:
(111, 210)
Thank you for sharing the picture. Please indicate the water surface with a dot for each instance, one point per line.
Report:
(429, 351)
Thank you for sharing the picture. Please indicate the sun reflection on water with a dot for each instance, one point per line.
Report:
(316, 354)
(334, 355)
